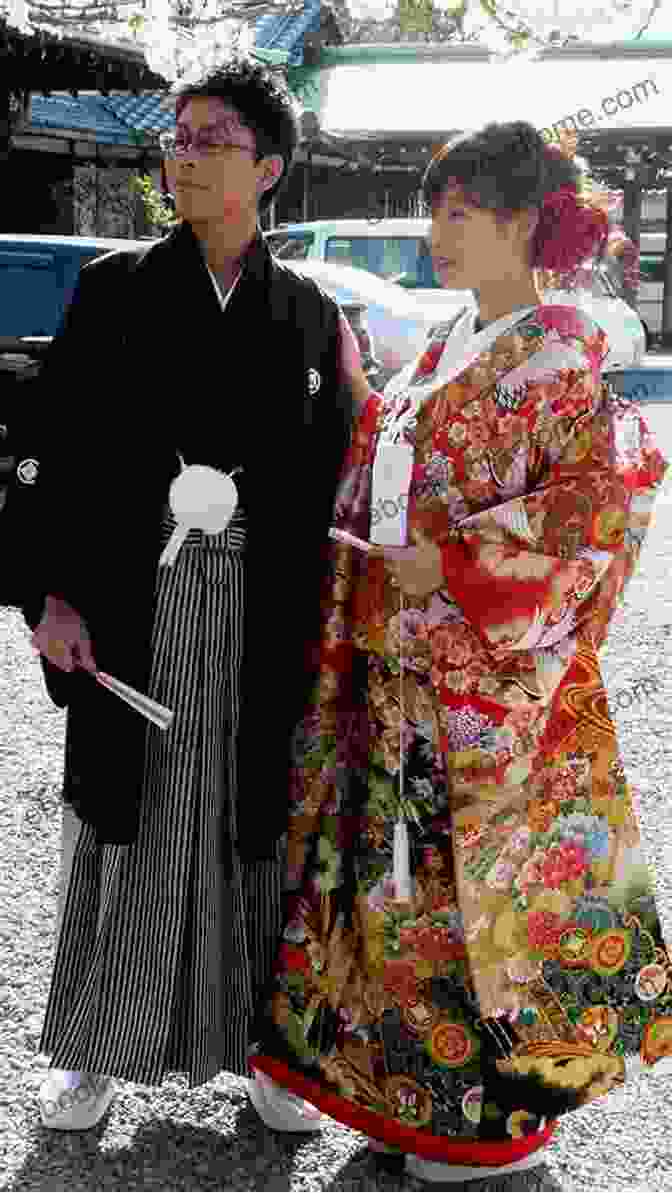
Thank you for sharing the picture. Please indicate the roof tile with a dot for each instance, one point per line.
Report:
(286, 31)
(114, 118)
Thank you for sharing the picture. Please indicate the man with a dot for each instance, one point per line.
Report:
(199, 350)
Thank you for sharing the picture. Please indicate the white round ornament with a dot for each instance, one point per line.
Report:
(201, 498)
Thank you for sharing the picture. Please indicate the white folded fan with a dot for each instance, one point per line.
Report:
(157, 713)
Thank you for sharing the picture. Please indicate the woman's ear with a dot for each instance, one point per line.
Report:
(271, 172)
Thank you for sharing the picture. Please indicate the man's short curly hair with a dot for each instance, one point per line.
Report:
(261, 99)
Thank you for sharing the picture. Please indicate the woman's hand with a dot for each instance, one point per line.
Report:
(417, 570)
(62, 637)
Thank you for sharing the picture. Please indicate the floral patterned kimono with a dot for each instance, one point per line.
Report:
(528, 961)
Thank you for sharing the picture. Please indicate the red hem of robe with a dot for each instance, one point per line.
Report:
(390, 1131)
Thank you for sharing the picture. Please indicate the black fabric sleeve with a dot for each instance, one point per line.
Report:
(73, 389)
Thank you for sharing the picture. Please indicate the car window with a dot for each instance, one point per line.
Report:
(290, 246)
(405, 259)
(28, 293)
(652, 268)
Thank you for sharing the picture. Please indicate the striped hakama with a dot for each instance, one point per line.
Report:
(162, 955)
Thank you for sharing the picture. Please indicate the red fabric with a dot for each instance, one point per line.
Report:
(394, 1133)
(430, 359)
(486, 597)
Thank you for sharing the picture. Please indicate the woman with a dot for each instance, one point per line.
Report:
(199, 351)
(471, 912)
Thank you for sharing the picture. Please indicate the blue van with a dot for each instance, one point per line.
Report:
(38, 275)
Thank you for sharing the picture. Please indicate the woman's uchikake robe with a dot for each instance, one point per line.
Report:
(145, 366)
(529, 959)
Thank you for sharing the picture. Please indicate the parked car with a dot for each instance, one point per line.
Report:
(399, 328)
(38, 275)
(626, 334)
(397, 324)
(395, 250)
(356, 315)
(652, 274)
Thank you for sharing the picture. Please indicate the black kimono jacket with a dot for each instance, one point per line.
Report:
(147, 365)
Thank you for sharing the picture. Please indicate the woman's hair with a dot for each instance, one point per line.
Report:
(263, 104)
(509, 168)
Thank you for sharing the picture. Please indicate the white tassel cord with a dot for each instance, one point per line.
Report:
(402, 869)
(172, 547)
(401, 865)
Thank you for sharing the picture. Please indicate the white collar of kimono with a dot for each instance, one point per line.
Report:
(224, 299)
(463, 346)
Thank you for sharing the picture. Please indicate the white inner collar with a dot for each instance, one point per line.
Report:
(224, 299)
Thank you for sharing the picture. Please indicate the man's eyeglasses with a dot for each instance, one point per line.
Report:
(205, 144)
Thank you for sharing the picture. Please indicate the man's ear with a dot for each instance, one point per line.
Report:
(272, 171)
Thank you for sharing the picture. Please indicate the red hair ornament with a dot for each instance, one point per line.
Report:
(569, 232)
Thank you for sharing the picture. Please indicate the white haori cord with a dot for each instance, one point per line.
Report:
(401, 864)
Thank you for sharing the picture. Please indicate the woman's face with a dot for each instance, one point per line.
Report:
(218, 177)
(470, 246)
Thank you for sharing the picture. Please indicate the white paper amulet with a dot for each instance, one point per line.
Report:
(203, 498)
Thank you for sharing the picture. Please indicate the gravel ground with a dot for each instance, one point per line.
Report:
(168, 1138)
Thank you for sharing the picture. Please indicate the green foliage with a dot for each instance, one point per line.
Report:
(159, 214)
(415, 16)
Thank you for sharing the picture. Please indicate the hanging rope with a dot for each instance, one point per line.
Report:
(401, 694)
(401, 849)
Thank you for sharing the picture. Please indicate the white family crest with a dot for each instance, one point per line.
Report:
(27, 471)
(314, 382)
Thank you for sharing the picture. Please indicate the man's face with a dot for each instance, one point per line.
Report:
(217, 177)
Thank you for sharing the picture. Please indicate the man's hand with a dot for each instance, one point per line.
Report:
(62, 637)
(417, 570)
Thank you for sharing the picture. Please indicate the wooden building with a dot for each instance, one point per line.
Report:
(81, 117)
(38, 166)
